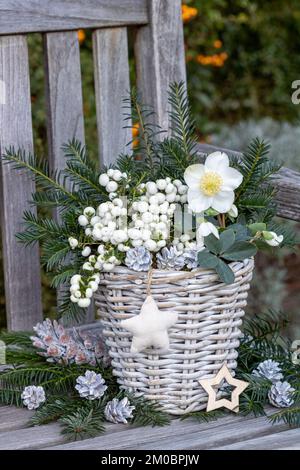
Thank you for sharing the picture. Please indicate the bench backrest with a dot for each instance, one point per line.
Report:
(159, 58)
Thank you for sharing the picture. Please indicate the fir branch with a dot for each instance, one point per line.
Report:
(204, 416)
(147, 412)
(82, 423)
(290, 416)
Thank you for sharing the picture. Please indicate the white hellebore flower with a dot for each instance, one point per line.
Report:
(212, 184)
(272, 239)
(205, 229)
(233, 211)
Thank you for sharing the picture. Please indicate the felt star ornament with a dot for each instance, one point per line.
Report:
(150, 327)
(209, 384)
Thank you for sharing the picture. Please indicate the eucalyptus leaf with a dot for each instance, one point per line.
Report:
(207, 259)
(213, 244)
(240, 251)
(227, 238)
(225, 272)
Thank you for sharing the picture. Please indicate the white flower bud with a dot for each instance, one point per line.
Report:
(233, 211)
(84, 303)
(160, 198)
(151, 187)
(137, 242)
(177, 183)
(95, 220)
(93, 285)
(83, 220)
(110, 172)
(182, 189)
(73, 242)
(73, 299)
(161, 184)
(147, 217)
(108, 266)
(89, 211)
(161, 243)
(271, 238)
(116, 211)
(134, 234)
(170, 188)
(139, 223)
(74, 288)
(88, 231)
(117, 176)
(118, 202)
(171, 197)
(103, 179)
(142, 206)
(111, 187)
(154, 209)
(183, 199)
(150, 245)
(146, 234)
(120, 236)
(89, 293)
(75, 279)
(112, 196)
(86, 251)
(87, 267)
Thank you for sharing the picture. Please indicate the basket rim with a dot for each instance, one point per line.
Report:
(236, 266)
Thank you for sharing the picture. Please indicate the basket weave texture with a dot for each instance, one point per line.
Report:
(205, 336)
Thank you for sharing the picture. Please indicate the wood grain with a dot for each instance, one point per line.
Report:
(63, 93)
(287, 182)
(13, 418)
(289, 439)
(111, 86)
(24, 16)
(64, 101)
(159, 53)
(21, 264)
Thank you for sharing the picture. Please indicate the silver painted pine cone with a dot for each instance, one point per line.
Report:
(33, 397)
(270, 370)
(118, 411)
(138, 259)
(170, 258)
(281, 395)
(191, 258)
(90, 385)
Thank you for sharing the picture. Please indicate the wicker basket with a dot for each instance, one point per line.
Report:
(205, 336)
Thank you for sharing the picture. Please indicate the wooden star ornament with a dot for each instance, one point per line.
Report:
(209, 384)
(150, 327)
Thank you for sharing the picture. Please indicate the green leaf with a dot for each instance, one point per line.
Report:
(240, 251)
(213, 244)
(257, 227)
(225, 272)
(227, 238)
(207, 259)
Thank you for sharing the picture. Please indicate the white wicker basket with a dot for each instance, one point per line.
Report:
(205, 336)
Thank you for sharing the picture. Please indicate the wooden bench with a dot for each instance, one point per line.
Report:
(159, 58)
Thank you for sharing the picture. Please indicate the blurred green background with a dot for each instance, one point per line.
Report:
(242, 57)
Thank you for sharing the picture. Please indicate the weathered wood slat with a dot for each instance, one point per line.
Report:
(287, 182)
(159, 52)
(32, 438)
(147, 437)
(289, 439)
(64, 100)
(63, 93)
(24, 16)
(13, 418)
(21, 266)
(208, 439)
(111, 86)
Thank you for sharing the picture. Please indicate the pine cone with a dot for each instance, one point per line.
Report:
(61, 347)
(170, 258)
(90, 385)
(191, 258)
(33, 397)
(270, 370)
(138, 259)
(280, 395)
(118, 411)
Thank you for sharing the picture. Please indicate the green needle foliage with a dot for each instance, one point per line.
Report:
(81, 418)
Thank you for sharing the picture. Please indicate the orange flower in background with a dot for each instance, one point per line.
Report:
(135, 133)
(188, 13)
(218, 44)
(81, 36)
(216, 60)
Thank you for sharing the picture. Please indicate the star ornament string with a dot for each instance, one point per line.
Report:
(210, 385)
